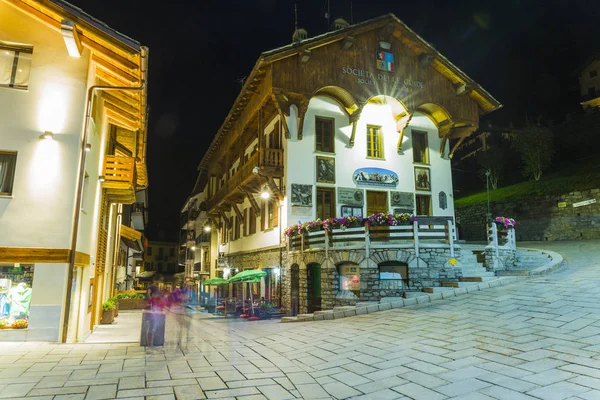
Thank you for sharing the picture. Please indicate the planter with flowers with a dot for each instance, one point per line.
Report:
(504, 223)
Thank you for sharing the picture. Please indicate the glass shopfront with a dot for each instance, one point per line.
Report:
(350, 278)
(15, 295)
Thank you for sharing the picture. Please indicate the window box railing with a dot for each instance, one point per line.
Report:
(420, 233)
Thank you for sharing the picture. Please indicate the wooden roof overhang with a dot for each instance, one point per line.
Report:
(118, 62)
(260, 86)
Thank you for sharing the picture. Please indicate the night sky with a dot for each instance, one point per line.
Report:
(523, 52)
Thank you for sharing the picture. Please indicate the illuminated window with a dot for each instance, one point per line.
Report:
(15, 64)
(420, 147)
(324, 138)
(8, 163)
(374, 146)
(350, 278)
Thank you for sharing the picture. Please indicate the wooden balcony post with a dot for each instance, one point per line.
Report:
(327, 243)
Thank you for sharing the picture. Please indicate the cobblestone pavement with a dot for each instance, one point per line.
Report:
(535, 339)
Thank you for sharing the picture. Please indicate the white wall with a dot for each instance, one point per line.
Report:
(41, 206)
(301, 155)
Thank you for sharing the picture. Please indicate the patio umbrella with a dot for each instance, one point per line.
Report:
(216, 282)
(248, 276)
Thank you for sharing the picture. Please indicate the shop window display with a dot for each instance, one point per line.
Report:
(350, 278)
(15, 295)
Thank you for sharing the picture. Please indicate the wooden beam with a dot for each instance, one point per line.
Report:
(252, 201)
(236, 210)
(118, 121)
(34, 255)
(119, 73)
(354, 117)
(110, 55)
(123, 114)
(456, 146)
(128, 108)
(274, 188)
(463, 89)
(225, 219)
(401, 127)
(302, 108)
(281, 105)
(443, 145)
(462, 131)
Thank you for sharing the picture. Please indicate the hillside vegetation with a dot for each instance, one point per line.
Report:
(577, 176)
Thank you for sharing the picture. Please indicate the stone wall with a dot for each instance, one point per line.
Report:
(503, 260)
(538, 217)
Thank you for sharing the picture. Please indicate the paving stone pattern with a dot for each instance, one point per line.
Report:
(535, 339)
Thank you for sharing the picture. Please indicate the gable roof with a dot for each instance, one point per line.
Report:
(486, 102)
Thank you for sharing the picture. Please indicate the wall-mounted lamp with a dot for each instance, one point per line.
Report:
(207, 228)
(101, 178)
(193, 248)
(384, 44)
(265, 193)
(277, 271)
(88, 147)
(47, 135)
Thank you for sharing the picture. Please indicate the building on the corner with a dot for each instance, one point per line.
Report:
(589, 83)
(357, 121)
(160, 264)
(72, 155)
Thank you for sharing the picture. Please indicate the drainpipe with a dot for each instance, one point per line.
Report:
(76, 212)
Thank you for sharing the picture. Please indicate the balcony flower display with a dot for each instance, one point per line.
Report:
(505, 223)
(380, 219)
(343, 223)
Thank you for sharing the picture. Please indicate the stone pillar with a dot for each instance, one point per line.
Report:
(502, 259)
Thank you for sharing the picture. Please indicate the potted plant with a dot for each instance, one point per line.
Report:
(116, 303)
(265, 310)
(108, 312)
(126, 302)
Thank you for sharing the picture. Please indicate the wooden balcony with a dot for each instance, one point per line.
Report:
(120, 179)
(270, 163)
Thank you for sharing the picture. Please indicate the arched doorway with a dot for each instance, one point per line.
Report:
(295, 290)
(393, 277)
(313, 287)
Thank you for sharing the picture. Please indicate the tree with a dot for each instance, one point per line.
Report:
(535, 145)
(491, 159)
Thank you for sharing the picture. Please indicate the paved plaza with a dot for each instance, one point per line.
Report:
(538, 338)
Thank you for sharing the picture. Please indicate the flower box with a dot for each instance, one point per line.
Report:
(108, 316)
(127, 304)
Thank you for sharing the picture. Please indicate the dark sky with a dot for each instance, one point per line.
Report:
(521, 51)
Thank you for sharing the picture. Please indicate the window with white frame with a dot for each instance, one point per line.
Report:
(8, 163)
(15, 65)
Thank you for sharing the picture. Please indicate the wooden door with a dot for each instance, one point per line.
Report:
(313, 287)
(376, 202)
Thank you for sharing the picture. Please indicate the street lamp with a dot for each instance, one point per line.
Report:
(487, 183)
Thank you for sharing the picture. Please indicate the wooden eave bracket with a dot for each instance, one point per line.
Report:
(252, 201)
(304, 56)
(354, 117)
(347, 42)
(274, 188)
(461, 132)
(236, 210)
(401, 124)
(283, 109)
(302, 108)
(225, 219)
(463, 89)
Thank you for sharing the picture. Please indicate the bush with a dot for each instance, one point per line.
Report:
(109, 304)
(123, 296)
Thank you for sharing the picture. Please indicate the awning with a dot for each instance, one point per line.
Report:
(135, 245)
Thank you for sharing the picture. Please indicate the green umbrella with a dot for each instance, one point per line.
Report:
(248, 276)
(216, 282)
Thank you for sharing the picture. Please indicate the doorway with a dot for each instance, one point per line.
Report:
(295, 289)
(313, 287)
(376, 202)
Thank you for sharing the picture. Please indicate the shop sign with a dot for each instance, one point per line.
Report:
(351, 196)
(366, 77)
(584, 203)
(375, 177)
(561, 204)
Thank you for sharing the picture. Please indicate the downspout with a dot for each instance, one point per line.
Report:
(76, 212)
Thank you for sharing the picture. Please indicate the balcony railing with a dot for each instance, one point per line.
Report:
(272, 157)
(400, 236)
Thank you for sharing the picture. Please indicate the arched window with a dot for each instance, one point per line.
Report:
(393, 270)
